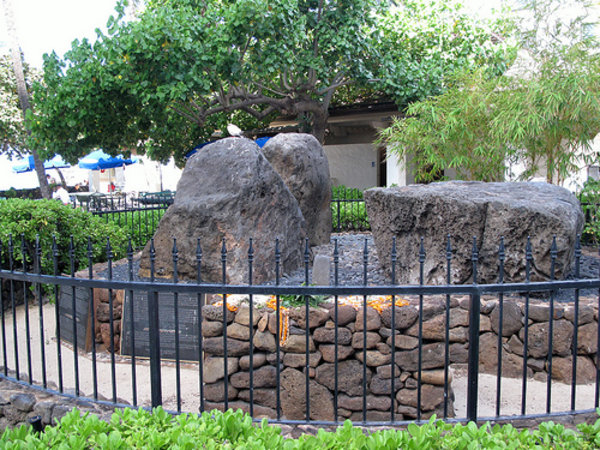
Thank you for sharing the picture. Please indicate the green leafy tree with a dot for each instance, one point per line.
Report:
(544, 112)
(10, 130)
(185, 68)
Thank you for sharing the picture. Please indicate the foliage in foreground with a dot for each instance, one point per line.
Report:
(141, 429)
(47, 218)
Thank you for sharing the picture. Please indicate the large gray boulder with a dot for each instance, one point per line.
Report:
(485, 211)
(229, 190)
(301, 162)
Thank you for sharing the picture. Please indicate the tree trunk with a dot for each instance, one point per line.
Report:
(62, 177)
(17, 64)
(319, 126)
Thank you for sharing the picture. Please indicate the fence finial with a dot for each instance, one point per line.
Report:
(175, 251)
(129, 248)
(72, 255)
(422, 253)
(474, 259)
(175, 254)
(38, 254)
(277, 260)
(394, 258)
(224, 267)
(198, 260)
(250, 261)
(152, 258)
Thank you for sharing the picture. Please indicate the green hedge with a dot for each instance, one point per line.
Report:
(48, 218)
(158, 430)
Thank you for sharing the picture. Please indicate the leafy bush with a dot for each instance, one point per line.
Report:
(47, 218)
(130, 428)
(590, 203)
(350, 212)
(139, 225)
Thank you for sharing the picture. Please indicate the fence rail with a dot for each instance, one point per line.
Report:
(142, 214)
(385, 355)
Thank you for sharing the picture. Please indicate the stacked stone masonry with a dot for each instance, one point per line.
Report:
(379, 342)
(19, 404)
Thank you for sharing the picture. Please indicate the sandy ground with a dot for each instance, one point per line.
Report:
(510, 399)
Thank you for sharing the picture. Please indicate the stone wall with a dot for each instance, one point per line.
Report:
(379, 355)
(102, 315)
(20, 403)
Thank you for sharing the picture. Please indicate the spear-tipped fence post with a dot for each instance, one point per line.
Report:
(38, 291)
(55, 255)
(225, 313)
(575, 324)
(154, 338)
(175, 255)
(422, 257)
(131, 321)
(447, 325)
(501, 259)
(251, 324)
(473, 369)
(553, 256)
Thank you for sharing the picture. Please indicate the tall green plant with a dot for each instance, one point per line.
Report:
(544, 112)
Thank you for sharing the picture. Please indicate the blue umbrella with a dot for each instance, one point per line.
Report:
(261, 141)
(27, 164)
(98, 160)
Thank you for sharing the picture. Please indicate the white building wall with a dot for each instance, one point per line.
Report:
(353, 165)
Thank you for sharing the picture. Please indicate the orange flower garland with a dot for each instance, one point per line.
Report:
(357, 302)
(284, 319)
(377, 303)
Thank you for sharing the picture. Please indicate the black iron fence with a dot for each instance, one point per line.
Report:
(141, 214)
(348, 210)
(385, 355)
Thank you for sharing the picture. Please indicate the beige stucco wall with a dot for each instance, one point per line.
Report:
(353, 165)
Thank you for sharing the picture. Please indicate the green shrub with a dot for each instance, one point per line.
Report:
(345, 192)
(131, 428)
(590, 203)
(48, 218)
(350, 213)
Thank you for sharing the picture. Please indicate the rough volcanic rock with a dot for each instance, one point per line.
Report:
(229, 191)
(214, 368)
(512, 318)
(465, 210)
(293, 397)
(350, 377)
(538, 345)
(562, 368)
(301, 162)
